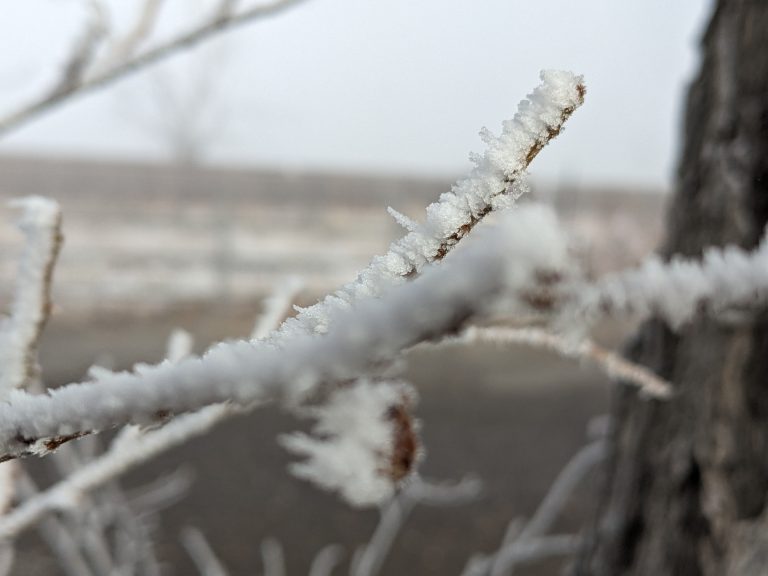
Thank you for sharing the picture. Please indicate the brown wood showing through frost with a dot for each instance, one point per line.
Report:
(533, 151)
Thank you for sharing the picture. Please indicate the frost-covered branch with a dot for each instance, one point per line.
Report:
(40, 222)
(500, 264)
(573, 347)
(724, 280)
(110, 531)
(121, 456)
(140, 447)
(538, 119)
(495, 182)
(83, 82)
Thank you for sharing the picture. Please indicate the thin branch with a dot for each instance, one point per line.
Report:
(272, 557)
(562, 489)
(394, 515)
(392, 519)
(9, 473)
(530, 543)
(124, 48)
(541, 548)
(162, 493)
(101, 470)
(117, 460)
(57, 535)
(225, 8)
(198, 548)
(20, 333)
(326, 560)
(611, 363)
(83, 50)
(497, 565)
(276, 307)
(527, 552)
(205, 30)
(7, 556)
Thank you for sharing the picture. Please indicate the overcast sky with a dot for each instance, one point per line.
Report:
(378, 85)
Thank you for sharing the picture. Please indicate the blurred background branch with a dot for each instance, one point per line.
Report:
(81, 74)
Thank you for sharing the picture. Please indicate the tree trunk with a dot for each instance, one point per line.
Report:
(687, 479)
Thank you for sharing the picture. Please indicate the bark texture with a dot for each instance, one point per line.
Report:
(687, 480)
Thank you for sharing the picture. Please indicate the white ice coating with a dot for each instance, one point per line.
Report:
(495, 182)
(723, 279)
(351, 443)
(39, 221)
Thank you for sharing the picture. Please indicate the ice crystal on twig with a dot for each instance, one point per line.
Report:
(495, 182)
(363, 441)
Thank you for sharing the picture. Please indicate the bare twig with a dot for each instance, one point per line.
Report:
(326, 560)
(272, 557)
(7, 556)
(124, 48)
(161, 493)
(563, 488)
(512, 533)
(57, 535)
(225, 8)
(394, 515)
(81, 55)
(118, 459)
(529, 543)
(205, 559)
(202, 32)
(539, 548)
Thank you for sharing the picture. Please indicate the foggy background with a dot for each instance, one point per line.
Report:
(397, 87)
(195, 186)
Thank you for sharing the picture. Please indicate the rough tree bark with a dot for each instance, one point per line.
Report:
(687, 480)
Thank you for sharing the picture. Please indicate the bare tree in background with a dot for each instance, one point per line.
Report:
(181, 107)
(99, 57)
(687, 484)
